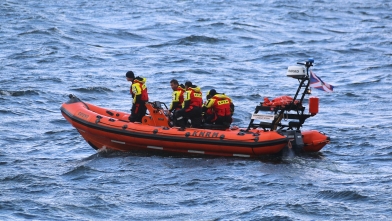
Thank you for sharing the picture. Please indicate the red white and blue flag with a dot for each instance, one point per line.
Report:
(317, 83)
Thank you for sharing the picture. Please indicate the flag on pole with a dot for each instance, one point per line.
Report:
(317, 83)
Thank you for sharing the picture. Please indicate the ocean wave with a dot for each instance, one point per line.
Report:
(351, 94)
(19, 93)
(78, 171)
(217, 24)
(190, 40)
(6, 111)
(53, 132)
(36, 32)
(126, 35)
(339, 31)
(366, 82)
(92, 89)
(245, 24)
(18, 178)
(288, 42)
(51, 79)
(341, 195)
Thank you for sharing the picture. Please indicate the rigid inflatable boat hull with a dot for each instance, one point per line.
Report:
(102, 131)
(110, 129)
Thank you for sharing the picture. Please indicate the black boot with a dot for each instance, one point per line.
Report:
(180, 119)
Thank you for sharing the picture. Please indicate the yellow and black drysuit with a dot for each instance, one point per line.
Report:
(140, 97)
(191, 108)
(177, 98)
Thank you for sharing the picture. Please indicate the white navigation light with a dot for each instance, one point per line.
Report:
(296, 72)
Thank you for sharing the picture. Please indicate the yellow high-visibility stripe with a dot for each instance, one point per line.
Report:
(223, 102)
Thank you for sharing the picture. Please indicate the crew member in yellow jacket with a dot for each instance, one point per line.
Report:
(140, 97)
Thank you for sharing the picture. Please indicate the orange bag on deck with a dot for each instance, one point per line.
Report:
(279, 101)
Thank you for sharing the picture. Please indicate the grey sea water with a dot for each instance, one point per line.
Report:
(49, 49)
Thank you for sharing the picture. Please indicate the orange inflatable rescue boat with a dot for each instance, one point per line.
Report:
(109, 129)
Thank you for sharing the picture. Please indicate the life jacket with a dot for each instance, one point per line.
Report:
(221, 104)
(177, 98)
(208, 113)
(192, 98)
(139, 90)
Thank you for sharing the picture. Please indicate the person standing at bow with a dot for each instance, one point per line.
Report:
(191, 108)
(140, 97)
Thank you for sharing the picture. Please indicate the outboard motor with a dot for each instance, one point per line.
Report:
(297, 72)
(295, 139)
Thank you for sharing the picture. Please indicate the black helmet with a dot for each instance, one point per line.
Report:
(212, 92)
(130, 74)
(188, 84)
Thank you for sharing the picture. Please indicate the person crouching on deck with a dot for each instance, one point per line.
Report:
(140, 97)
(219, 109)
(191, 108)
